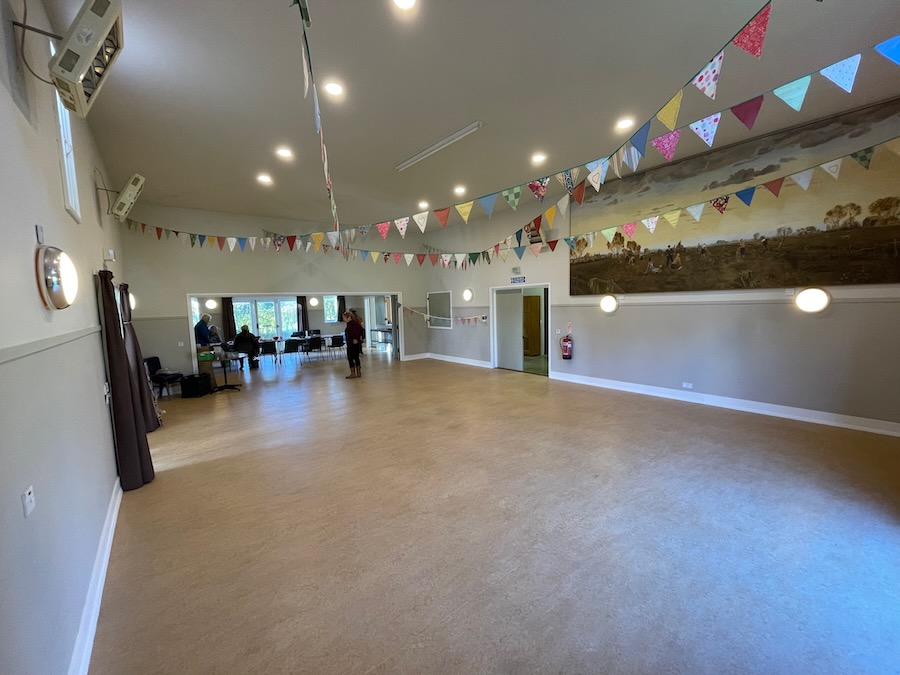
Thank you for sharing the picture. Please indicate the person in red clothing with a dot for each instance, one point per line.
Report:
(353, 335)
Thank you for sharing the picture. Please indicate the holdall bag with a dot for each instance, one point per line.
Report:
(193, 386)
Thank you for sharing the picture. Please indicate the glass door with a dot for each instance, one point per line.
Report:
(287, 316)
(266, 320)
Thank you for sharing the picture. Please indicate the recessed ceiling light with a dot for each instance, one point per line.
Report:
(405, 4)
(423, 205)
(624, 123)
(284, 152)
(334, 88)
(264, 179)
(460, 190)
(538, 158)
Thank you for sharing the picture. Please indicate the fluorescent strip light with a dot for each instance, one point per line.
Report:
(440, 145)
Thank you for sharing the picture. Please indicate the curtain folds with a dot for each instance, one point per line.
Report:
(228, 327)
(130, 431)
(136, 364)
(342, 306)
(302, 314)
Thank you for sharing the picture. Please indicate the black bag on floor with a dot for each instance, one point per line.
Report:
(193, 386)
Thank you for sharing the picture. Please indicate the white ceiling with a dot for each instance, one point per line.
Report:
(204, 91)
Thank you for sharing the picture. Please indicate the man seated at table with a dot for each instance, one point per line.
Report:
(247, 342)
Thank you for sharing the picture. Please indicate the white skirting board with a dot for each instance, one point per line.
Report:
(84, 642)
(449, 359)
(799, 414)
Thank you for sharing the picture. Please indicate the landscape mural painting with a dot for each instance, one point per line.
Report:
(838, 224)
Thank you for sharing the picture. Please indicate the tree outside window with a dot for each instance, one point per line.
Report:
(330, 305)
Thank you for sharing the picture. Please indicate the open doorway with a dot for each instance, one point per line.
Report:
(521, 321)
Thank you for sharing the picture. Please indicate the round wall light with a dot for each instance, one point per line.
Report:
(468, 295)
(313, 302)
(609, 304)
(131, 301)
(57, 277)
(812, 300)
(211, 304)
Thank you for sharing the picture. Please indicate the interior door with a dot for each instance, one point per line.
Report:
(508, 312)
(531, 325)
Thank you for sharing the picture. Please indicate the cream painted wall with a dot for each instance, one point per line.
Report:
(55, 431)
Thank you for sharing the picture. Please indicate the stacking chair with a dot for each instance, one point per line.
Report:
(337, 344)
(291, 347)
(269, 348)
(313, 344)
(160, 377)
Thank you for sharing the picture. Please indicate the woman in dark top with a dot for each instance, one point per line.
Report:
(353, 337)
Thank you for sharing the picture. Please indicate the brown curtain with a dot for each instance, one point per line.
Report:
(342, 306)
(228, 327)
(302, 314)
(132, 451)
(136, 364)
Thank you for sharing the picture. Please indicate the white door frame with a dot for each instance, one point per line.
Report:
(493, 313)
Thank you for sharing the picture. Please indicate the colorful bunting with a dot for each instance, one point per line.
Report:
(567, 178)
(720, 203)
(570, 241)
(631, 157)
(421, 258)
(539, 188)
(748, 111)
(669, 113)
(442, 215)
(708, 79)
(433, 257)
(706, 128)
(843, 73)
(864, 157)
(487, 203)
(397, 257)
(650, 223)
(552, 244)
(802, 178)
(753, 35)
(464, 210)
(794, 92)
(334, 237)
(383, 228)
(549, 214)
(578, 193)
(890, 49)
(536, 249)
(629, 228)
(774, 186)
(316, 239)
(639, 140)
(832, 168)
(519, 251)
(563, 204)
(672, 217)
(696, 210)
(609, 233)
(746, 195)
(421, 219)
(511, 195)
(667, 143)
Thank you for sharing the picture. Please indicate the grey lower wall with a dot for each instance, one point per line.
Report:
(471, 341)
(55, 435)
(159, 336)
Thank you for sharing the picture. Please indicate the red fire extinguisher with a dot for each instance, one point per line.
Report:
(565, 343)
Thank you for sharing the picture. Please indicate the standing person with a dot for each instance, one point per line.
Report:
(359, 320)
(353, 335)
(201, 330)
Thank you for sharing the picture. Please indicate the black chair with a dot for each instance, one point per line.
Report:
(269, 348)
(291, 347)
(313, 344)
(159, 376)
(337, 344)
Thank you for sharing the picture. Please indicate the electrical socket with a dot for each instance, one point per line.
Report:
(28, 501)
(687, 385)
(180, 343)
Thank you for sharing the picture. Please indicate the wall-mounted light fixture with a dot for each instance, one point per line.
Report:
(609, 304)
(812, 300)
(211, 304)
(468, 295)
(56, 276)
(131, 301)
(313, 302)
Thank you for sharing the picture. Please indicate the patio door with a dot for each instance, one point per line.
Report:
(267, 317)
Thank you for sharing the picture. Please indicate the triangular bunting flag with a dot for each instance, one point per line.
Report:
(220, 243)
(552, 244)
(193, 239)
(539, 188)
(401, 224)
(563, 204)
(442, 215)
(363, 231)
(566, 179)
(519, 237)
(464, 210)
(746, 196)
(708, 79)
(383, 228)
(631, 157)
(753, 35)
(832, 168)
(460, 258)
(487, 203)
(334, 238)
(316, 239)
(364, 255)
(511, 195)
(473, 257)
(409, 258)
(537, 224)
(864, 157)
(672, 217)
(201, 240)
(549, 214)
(570, 242)
(158, 233)
(793, 93)
(667, 143)
(242, 243)
(421, 219)
(629, 228)
(748, 111)
(433, 257)
(396, 257)
(720, 203)
(650, 223)
(232, 242)
(802, 178)
(843, 73)
(669, 113)
(143, 228)
(706, 128)
(520, 251)
(608, 233)
(595, 178)
(252, 241)
(504, 254)
(639, 140)
(536, 249)
(696, 210)
(590, 238)
(774, 186)
(421, 258)
(890, 49)
(375, 256)
(578, 193)
(266, 242)
(445, 259)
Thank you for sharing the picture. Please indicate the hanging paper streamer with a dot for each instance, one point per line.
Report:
(696, 210)
(421, 219)
(401, 224)
(803, 178)
(650, 223)
(794, 92)
(706, 128)
(708, 79)
(487, 204)
(720, 203)
(511, 195)
(667, 144)
(748, 111)
(464, 210)
(746, 196)
(864, 157)
(539, 188)
(669, 113)
(832, 168)
(753, 35)
(843, 73)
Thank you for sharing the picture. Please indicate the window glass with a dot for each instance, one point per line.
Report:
(288, 317)
(242, 314)
(330, 305)
(195, 310)
(67, 156)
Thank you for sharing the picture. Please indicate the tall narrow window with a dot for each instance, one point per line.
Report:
(67, 156)
(330, 305)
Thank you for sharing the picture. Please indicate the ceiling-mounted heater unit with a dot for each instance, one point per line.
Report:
(82, 60)
(127, 197)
